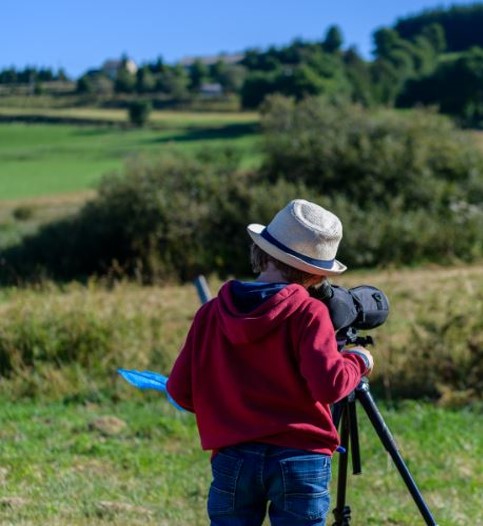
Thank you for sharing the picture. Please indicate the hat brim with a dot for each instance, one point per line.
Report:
(255, 230)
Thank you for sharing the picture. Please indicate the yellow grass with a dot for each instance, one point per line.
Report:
(169, 118)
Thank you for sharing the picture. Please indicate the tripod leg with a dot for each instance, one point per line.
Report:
(337, 410)
(354, 437)
(364, 396)
(341, 511)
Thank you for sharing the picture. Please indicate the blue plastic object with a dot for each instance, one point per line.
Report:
(148, 380)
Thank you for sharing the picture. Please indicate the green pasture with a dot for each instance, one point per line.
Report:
(58, 155)
(139, 463)
(79, 446)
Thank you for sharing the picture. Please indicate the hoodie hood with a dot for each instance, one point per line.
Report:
(242, 328)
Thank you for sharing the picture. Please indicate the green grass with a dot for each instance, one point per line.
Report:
(64, 464)
(50, 159)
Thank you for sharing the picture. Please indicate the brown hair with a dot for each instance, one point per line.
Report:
(259, 261)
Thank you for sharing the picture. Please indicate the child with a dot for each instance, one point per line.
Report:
(260, 368)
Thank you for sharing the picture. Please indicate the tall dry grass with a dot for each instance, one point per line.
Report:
(64, 342)
(61, 342)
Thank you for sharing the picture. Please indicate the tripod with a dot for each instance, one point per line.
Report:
(345, 416)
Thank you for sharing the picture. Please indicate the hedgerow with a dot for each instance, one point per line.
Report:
(408, 188)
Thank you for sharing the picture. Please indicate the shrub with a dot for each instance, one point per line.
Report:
(394, 236)
(407, 188)
(139, 111)
(418, 159)
(23, 212)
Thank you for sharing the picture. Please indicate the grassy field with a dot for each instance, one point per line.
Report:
(62, 157)
(139, 463)
(81, 455)
(80, 447)
(166, 118)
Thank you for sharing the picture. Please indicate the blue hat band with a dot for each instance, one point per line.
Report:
(321, 263)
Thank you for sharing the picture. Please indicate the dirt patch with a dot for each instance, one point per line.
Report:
(108, 425)
(13, 502)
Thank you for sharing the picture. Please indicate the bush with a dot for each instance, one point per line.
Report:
(23, 212)
(162, 220)
(395, 236)
(407, 188)
(139, 112)
(417, 159)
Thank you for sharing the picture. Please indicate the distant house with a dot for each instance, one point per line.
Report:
(111, 67)
(213, 89)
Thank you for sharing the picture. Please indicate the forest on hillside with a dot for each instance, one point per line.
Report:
(434, 58)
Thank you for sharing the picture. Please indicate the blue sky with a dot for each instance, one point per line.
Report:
(80, 34)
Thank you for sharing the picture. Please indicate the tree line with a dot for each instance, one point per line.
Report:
(30, 75)
(434, 58)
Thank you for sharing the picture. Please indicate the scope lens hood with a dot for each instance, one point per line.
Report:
(372, 306)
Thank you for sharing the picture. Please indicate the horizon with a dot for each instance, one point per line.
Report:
(81, 37)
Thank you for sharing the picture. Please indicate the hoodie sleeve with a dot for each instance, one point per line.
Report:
(179, 384)
(330, 375)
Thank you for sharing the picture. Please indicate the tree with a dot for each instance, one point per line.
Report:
(256, 60)
(145, 80)
(62, 75)
(461, 25)
(385, 40)
(333, 40)
(158, 66)
(174, 81)
(84, 84)
(95, 83)
(434, 33)
(139, 112)
(386, 81)
(359, 76)
(232, 77)
(198, 74)
(303, 81)
(125, 81)
(456, 86)
(256, 87)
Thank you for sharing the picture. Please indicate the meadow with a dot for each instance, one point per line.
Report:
(79, 447)
(68, 150)
(51, 160)
(139, 463)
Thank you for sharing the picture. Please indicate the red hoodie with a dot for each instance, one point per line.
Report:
(264, 376)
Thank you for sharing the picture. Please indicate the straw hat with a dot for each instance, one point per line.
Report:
(302, 235)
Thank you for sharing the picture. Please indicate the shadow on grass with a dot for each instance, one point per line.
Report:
(101, 126)
(46, 119)
(230, 131)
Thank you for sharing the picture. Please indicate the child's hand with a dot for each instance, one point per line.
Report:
(366, 355)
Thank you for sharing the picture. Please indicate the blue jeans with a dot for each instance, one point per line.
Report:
(248, 476)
